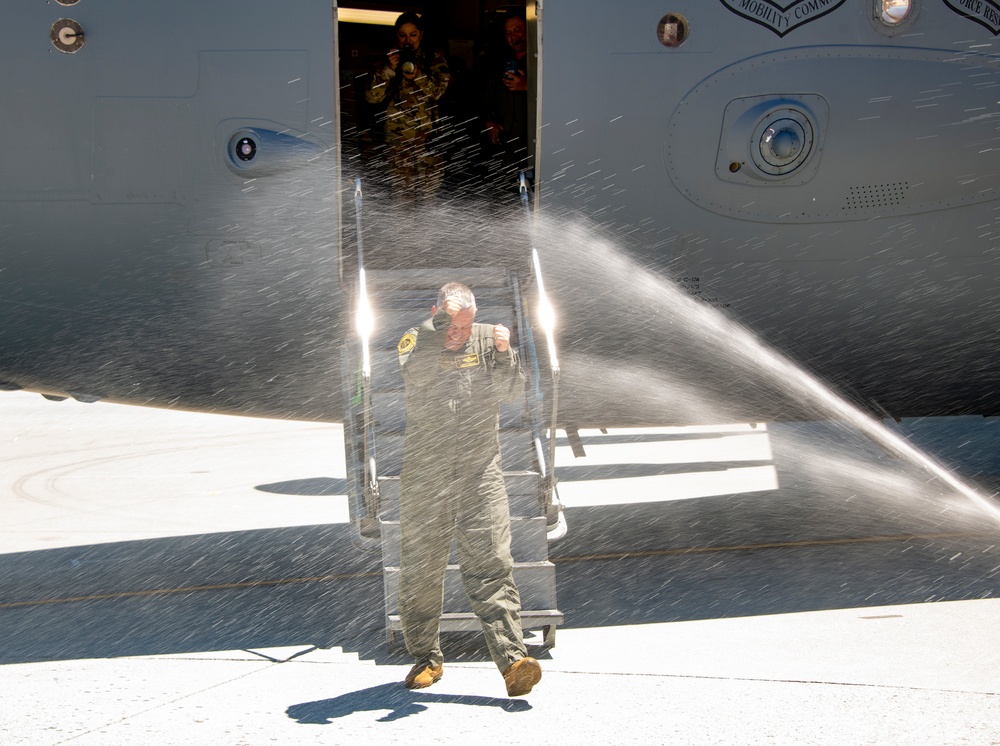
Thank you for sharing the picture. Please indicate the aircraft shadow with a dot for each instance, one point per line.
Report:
(619, 438)
(815, 543)
(397, 699)
(232, 591)
(311, 586)
(624, 471)
(317, 486)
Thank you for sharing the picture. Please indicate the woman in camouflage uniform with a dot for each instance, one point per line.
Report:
(410, 84)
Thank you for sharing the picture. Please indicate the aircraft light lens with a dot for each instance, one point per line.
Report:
(785, 144)
(784, 140)
(246, 149)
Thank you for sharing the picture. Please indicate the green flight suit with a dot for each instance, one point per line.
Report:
(452, 484)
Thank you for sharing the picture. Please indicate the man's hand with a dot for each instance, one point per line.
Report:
(452, 306)
(515, 81)
(493, 130)
(501, 338)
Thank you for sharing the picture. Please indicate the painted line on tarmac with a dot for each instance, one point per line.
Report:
(770, 545)
(554, 560)
(190, 589)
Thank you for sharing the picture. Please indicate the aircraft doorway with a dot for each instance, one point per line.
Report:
(477, 143)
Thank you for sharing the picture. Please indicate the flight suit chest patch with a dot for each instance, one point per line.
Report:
(460, 362)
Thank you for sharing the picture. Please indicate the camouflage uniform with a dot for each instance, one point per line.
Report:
(452, 481)
(410, 118)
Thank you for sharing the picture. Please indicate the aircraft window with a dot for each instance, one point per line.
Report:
(893, 12)
(673, 30)
(67, 2)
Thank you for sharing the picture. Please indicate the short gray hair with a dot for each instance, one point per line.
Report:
(458, 291)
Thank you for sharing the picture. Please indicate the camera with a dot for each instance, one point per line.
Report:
(407, 59)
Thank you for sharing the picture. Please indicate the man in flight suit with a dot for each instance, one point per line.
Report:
(457, 373)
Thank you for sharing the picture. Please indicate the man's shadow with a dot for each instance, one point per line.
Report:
(394, 697)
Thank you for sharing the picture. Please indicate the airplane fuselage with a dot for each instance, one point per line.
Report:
(176, 202)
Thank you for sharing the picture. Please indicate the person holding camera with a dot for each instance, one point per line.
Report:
(505, 104)
(410, 84)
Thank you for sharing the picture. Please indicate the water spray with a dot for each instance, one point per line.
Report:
(871, 427)
(881, 434)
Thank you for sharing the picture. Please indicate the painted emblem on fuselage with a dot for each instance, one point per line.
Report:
(782, 17)
(984, 12)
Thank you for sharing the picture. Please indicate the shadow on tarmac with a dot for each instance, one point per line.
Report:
(631, 471)
(315, 487)
(398, 700)
(312, 586)
(816, 543)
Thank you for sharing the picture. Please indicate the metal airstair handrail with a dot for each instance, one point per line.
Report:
(547, 319)
(365, 326)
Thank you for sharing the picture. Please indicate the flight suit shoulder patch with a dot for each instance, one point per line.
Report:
(406, 343)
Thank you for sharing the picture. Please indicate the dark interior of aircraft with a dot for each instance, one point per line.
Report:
(470, 37)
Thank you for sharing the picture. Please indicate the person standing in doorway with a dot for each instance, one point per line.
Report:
(410, 84)
(505, 105)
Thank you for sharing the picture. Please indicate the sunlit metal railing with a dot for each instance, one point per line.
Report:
(365, 325)
(547, 320)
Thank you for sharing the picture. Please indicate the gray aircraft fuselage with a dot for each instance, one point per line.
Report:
(176, 203)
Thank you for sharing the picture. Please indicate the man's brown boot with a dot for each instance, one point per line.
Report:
(423, 675)
(522, 676)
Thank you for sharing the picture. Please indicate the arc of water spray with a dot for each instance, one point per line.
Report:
(882, 435)
(877, 431)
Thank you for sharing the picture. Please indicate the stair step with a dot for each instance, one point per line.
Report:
(386, 372)
(516, 448)
(469, 622)
(405, 280)
(536, 582)
(528, 541)
(523, 493)
(389, 413)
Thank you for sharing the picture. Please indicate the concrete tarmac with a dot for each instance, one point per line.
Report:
(179, 578)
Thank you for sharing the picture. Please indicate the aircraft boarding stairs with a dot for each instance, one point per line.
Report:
(373, 433)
